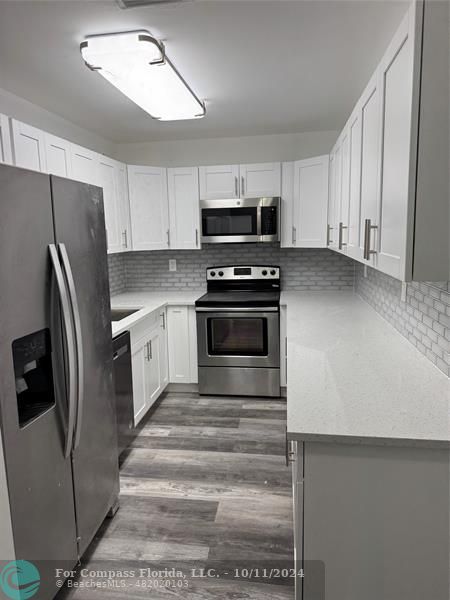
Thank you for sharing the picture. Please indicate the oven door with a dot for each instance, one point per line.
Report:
(239, 338)
(231, 220)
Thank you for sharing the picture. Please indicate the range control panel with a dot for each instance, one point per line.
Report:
(242, 272)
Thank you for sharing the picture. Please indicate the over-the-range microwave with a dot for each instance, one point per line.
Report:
(240, 220)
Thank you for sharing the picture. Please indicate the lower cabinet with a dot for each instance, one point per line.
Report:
(149, 364)
(370, 521)
(182, 341)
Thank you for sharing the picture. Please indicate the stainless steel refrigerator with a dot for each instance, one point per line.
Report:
(57, 411)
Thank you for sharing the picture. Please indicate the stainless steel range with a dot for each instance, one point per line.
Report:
(238, 331)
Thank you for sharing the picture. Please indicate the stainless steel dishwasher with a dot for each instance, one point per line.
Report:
(124, 389)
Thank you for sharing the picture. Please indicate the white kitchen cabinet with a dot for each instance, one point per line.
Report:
(184, 208)
(58, 156)
(334, 197)
(396, 85)
(344, 205)
(192, 322)
(84, 165)
(179, 344)
(296, 458)
(149, 208)
(370, 144)
(28, 146)
(124, 205)
(311, 202)
(354, 171)
(149, 362)
(305, 203)
(260, 180)
(283, 346)
(108, 181)
(5, 141)
(219, 182)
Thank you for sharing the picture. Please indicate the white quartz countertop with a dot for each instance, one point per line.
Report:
(352, 377)
(147, 302)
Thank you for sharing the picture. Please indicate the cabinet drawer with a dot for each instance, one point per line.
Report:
(145, 326)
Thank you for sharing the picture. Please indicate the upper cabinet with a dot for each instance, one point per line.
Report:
(184, 207)
(5, 141)
(389, 186)
(305, 200)
(240, 181)
(149, 208)
(84, 165)
(219, 182)
(29, 146)
(58, 155)
(108, 180)
(260, 180)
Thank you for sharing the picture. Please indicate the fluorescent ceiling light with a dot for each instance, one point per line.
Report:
(137, 65)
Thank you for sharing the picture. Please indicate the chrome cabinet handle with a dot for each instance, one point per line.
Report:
(367, 230)
(290, 454)
(196, 237)
(341, 229)
(163, 315)
(124, 239)
(150, 350)
(78, 340)
(147, 352)
(242, 186)
(168, 237)
(329, 240)
(236, 187)
(71, 349)
(294, 235)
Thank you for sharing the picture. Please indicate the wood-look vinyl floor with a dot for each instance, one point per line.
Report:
(203, 485)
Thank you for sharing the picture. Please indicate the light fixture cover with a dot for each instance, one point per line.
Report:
(136, 64)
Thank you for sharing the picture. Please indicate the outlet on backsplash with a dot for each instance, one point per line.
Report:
(172, 264)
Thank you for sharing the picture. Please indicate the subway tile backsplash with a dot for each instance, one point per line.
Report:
(301, 269)
(423, 318)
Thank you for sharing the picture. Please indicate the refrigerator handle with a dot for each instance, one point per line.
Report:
(78, 339)
(70, 340)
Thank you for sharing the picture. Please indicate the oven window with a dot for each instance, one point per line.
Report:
(237, 336)
(229, 221)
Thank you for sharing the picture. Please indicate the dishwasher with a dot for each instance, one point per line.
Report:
(123, 379)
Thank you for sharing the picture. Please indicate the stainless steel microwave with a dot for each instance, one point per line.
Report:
(240, 220)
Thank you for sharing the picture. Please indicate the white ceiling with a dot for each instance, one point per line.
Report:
(263, 66)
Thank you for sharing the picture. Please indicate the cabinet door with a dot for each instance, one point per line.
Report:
(148, 208)
(124, 206)
(260, 180)
(58, 156)
(107, 174)
(219, 182)
(153, 369)
(5, 141)
(164, 357)
(354, 211)
(84, 165)
(343, 217)
(288, 232)
(396, 85)
(184, 208)
(139, 367)
(29, 147)
(370, 124)
(331, 234)
(311, 202)
(334, 203)
(179, 347)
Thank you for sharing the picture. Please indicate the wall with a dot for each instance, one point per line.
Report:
(424, 318)
(306, 269)
(251, 149)
(21, 109)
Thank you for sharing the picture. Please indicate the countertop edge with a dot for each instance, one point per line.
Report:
(367, 440)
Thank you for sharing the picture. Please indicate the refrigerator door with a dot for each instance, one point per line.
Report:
(33, 403)
(81, 237)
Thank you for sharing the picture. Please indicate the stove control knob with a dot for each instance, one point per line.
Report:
(273, 272)
(220, 273)
(264, 272)
(213, 273)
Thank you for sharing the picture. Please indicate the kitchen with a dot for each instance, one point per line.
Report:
(239, 283)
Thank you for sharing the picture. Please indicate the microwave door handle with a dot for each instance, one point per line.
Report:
(259, 222)
(70, 346)
(78, 340)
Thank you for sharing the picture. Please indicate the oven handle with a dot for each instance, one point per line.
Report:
(240, 309)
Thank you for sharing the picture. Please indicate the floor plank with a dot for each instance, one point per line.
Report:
(203, 485)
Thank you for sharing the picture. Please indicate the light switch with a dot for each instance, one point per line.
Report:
(172, 264)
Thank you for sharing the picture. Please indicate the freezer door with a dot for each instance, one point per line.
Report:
(81, 238)
(33, 405)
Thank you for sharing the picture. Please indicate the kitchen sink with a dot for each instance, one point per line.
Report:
(117, 314)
